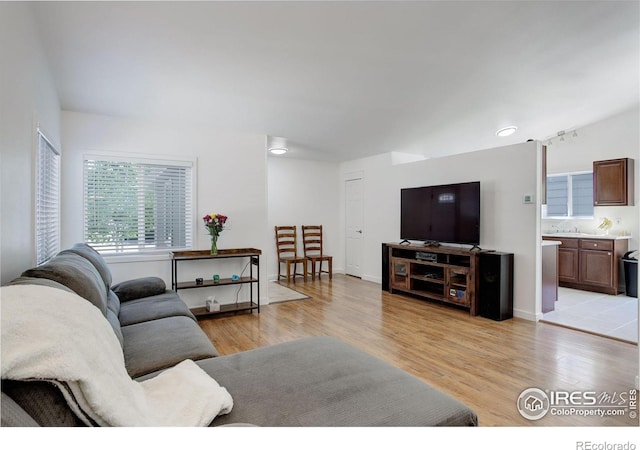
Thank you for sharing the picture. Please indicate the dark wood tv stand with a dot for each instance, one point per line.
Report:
(446, 274)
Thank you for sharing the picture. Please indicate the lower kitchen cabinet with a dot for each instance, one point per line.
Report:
(592, 264)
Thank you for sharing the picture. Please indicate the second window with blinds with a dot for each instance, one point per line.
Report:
(569, 195)
(137, 205)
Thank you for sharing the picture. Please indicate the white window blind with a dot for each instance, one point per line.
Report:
(570, 195)
(557, 196)
(582, 195)
(47, 200)
(133, 205)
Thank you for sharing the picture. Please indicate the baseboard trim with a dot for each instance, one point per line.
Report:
(526, 315)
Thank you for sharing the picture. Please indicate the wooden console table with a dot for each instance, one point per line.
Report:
(194, 255)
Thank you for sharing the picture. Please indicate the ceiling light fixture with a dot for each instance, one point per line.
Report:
(277, 145)
(562, 136)
(506, 131)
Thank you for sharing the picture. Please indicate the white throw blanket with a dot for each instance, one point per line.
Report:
(51, 334)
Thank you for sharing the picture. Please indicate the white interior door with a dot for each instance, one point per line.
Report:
(354, 231)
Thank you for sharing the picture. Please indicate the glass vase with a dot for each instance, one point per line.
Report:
(214, 244)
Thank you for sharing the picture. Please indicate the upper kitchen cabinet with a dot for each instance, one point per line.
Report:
(613, 182)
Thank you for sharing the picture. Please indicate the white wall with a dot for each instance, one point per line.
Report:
(507, 224)
(27, 97)
(304, 192)
(231, 180)
(615, 137)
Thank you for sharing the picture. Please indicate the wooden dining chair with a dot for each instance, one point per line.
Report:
(313, 251)
(287, 248)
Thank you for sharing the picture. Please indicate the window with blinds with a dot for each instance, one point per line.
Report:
(570, 195)
(135, 206)
(47, 200)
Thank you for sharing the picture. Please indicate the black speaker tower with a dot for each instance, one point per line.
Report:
(496, 285)
(385, 267)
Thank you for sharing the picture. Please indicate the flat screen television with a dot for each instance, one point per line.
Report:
(447, 213)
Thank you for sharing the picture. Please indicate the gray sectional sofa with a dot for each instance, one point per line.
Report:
(317, 381)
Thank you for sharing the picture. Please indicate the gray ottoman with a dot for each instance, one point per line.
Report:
(325, 382)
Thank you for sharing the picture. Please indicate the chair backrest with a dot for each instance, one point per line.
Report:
(312, 240)
(286, 241)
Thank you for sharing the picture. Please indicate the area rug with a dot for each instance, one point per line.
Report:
(278, 293)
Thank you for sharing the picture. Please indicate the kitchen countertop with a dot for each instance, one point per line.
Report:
(582, 236)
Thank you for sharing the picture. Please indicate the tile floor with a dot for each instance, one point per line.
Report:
(608, 315)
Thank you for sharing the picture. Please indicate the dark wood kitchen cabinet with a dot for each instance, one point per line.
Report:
(596, 268)
(591, 264)
(549, 275)
(613, 182)
(568, 269)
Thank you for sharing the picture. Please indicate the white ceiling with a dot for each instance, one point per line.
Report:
(342, 80)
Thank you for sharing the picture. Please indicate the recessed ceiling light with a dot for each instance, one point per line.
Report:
(506, 131)
(278, 150)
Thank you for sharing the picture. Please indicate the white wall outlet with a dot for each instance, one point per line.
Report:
(527, 198)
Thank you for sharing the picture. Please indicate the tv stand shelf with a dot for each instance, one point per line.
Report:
(445, 274)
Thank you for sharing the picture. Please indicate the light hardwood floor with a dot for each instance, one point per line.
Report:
(484, 363)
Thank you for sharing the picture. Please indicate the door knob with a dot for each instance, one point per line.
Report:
(359, 231)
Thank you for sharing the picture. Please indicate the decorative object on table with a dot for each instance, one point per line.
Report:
(215, 225)
(235, 277)
(216, 278)
(199, 281)
(605, 225)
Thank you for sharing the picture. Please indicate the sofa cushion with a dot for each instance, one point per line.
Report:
(42, 401)
(155, 307)
(139, 288)
(95, 258)
(162, 343)
(39, 282)
(78, 274)
(113, 310)
(115, 324)
(13, 415)
(113, 302)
